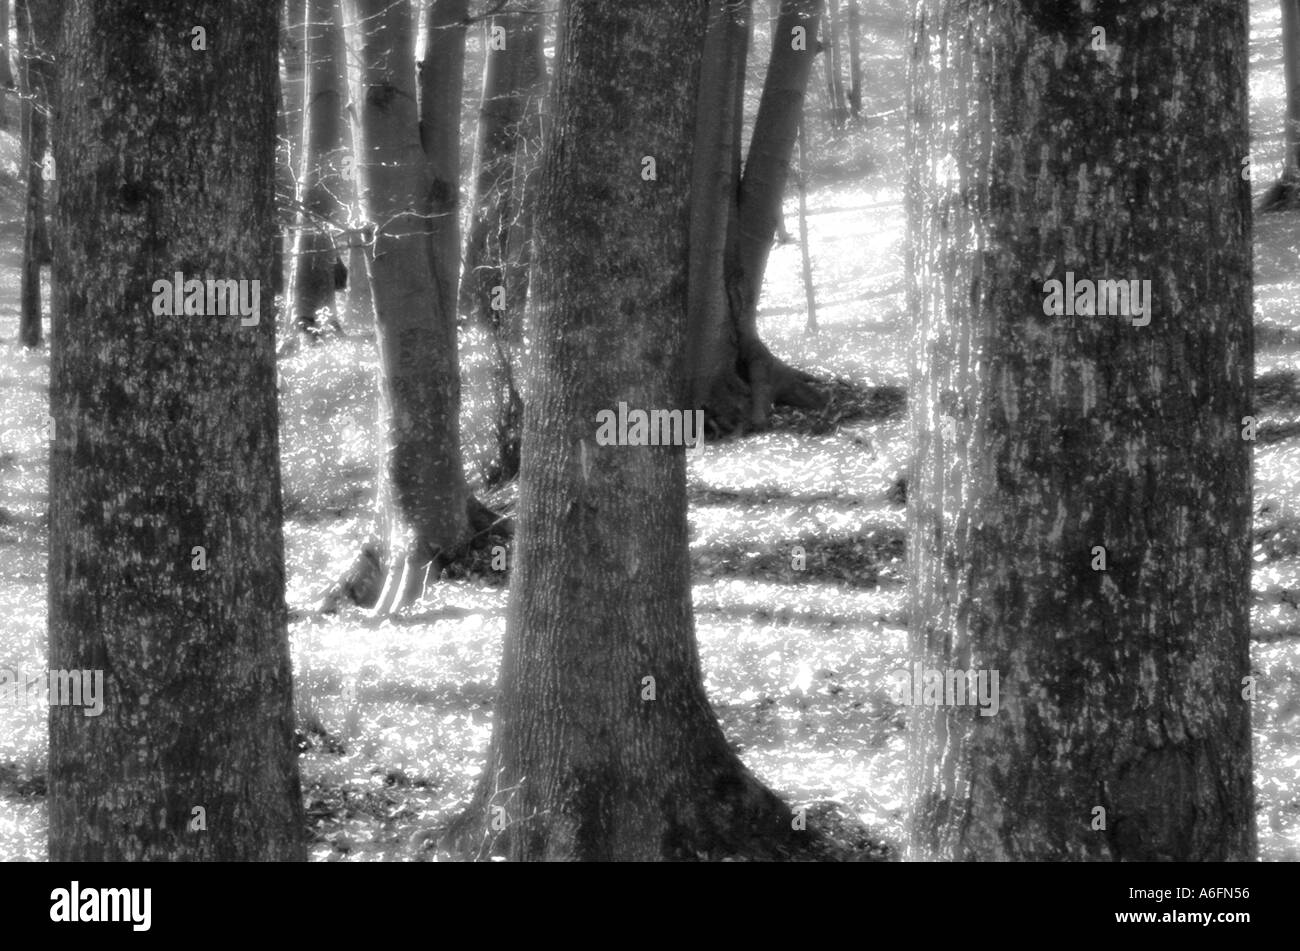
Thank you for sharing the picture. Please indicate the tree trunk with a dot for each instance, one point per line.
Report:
(855, 59)
(423, 496)
(745, 379)
(581, 766)
(324, 204)
(166, 440)
(1285, 192)
(805, 251)
(6, 70)
(289, 136)
(834, 82)
(1080, 509)
(442, 87)
(497, 251)
(38, 25)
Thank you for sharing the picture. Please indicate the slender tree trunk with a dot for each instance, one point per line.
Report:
(834, 81)
(1079, 518)
(6, 70)
(745, 379)
(855, 59)
(1285, 192)
(38, 25)
(166, 441)
(442, 87)
(423, 496)
(497, 250)
(583, 764)
(318, 266)
(803, 235)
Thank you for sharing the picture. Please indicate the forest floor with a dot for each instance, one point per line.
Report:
(397, 712)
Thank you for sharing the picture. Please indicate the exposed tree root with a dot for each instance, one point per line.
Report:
(742, 399)
(367, 584)
(1282, 195)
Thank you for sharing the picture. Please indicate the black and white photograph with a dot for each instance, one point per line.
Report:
(636, 431)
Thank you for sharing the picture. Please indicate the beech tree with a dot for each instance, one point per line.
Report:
(1286, 190)
(319, 269)
(1080, 507)
(38, 28)
(604, 746)
(6, 70)
(855, 59)
(737, 378)
(426, 511)
(497, 248)
(166, 561)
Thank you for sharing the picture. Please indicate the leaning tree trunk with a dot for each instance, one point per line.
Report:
(1285, 192)
(424, 500)
(497, 252)
(1080, 507)
(604, 745)
(38, 25)
(319, 269)
(166, 557)
(744, 378)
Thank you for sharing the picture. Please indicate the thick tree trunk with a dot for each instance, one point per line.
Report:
(745, 379)
(583, 764)
(166, 441)
(855, 59)
(38, 25)
(497, 250)
(318, 265)
(715, 188)
(1080, 507)
(423, 496)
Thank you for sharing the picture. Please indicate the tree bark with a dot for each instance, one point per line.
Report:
(855, 59)
(715, 188)
(6, 70)
(442, 86)
(745, 379)
(581, 766)
(497, 250)
(805, 251)
(423, 496)
(1121, 732)
(1285, 192)
(324, 203)
(38, 26)
(834, 81)
(166, 438)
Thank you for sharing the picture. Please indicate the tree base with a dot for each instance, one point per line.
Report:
(1282, 195)
(368, 585)
(697, 815)
(741, 399)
